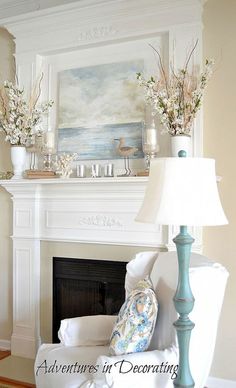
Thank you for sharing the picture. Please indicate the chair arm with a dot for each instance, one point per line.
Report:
(150, 369)
(86, 331)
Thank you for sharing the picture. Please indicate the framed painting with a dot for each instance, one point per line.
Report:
(98, 104)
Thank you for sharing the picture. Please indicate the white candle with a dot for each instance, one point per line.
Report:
(49, 139)
(151, 136)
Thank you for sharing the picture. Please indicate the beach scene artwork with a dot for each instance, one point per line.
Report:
(98, 104)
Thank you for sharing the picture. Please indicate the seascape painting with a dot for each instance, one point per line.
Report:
(98, 104)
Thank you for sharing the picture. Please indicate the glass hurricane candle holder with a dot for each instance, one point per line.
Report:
(48, 162)
(48, 150)
(150, 142)
(35, 148)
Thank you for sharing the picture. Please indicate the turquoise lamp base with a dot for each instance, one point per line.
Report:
(184, 302)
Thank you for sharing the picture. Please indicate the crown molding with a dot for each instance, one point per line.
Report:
(90, 21)
(9, 8)
(148, 6)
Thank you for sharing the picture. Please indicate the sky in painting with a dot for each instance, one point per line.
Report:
(100, 95)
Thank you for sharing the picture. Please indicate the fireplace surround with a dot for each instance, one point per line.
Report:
(94, 211)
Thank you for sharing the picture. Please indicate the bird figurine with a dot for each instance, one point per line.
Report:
(126, 152)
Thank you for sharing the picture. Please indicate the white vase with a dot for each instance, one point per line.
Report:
(18, 158)
(179, 143)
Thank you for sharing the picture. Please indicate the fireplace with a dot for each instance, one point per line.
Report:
(97, 213)
(92, 212)
(86, 287)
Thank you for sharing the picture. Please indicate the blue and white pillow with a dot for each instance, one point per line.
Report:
(136, 321)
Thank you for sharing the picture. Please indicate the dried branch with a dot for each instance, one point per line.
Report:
(190, 55)
(161, 66)
(36, 92)
(178, 98)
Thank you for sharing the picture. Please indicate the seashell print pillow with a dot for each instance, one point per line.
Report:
(136, 321)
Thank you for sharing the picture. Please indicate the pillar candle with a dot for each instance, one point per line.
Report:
(49, 139)
(151, 136)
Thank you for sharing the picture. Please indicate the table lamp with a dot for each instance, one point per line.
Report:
(182, 191)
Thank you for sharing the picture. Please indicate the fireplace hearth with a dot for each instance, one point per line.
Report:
(86, 287)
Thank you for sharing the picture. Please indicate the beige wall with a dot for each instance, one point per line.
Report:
(219, 38)
(6, 72)
(7, 49)
(219, 142)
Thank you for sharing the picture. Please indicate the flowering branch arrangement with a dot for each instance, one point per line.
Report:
(177, 96)
(63, 164)
(18, 117)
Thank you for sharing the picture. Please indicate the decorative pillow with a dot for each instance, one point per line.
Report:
(139, 268)
(136, 321)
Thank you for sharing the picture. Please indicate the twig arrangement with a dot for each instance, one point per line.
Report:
(18, 117)
(177, 96)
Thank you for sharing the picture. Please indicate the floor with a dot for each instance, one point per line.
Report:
(17, 368)
(4, 353)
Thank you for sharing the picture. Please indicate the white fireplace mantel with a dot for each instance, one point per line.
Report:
(98, 211)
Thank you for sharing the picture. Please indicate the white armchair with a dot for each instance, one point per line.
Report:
(77, 362)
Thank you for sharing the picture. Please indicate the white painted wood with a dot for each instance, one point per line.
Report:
(26, 288)
(16, 7)
(82, 33)
(5, 345)
(85, 210)
(213, 382)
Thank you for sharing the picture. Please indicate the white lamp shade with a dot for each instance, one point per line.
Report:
(182, 191)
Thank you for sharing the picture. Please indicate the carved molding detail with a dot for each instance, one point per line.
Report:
(97, 33)
(101, 221)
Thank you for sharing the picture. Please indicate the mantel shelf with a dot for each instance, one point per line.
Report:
(69, 181)
(90, 195)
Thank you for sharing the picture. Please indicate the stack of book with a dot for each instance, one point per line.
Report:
(39, 174)
(143, 173)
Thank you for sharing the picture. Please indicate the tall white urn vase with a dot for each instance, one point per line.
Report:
(18, 159)
(179, 143)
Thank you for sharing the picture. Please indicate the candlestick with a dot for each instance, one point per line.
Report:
(48, 150)
(150, 143)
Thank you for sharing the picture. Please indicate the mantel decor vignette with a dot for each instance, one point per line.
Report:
(95, 143)
(53, 49)
(175, 98)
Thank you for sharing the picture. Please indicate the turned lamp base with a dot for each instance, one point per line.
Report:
(184, 302)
